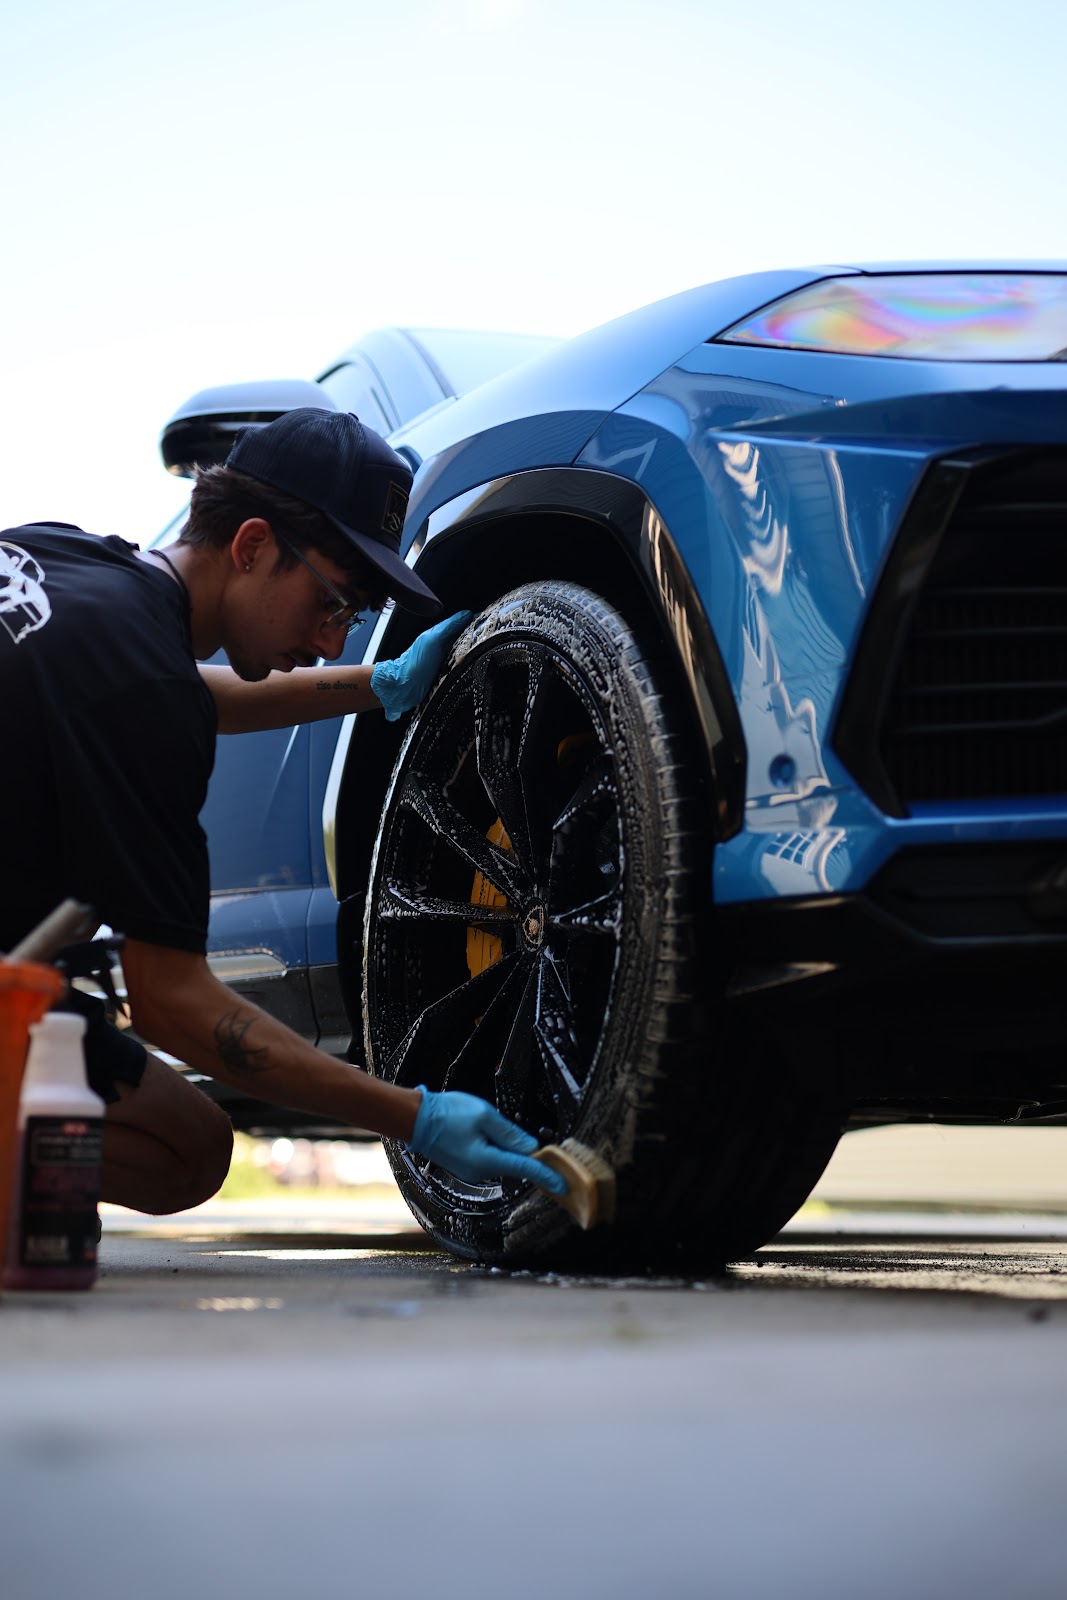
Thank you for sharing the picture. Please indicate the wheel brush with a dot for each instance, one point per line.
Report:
(590, 1196)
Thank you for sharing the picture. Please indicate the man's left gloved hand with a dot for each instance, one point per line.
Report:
(404, 683)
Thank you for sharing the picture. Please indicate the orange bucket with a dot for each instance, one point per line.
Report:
(27, 989)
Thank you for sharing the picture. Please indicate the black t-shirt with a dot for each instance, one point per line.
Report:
(107, 734)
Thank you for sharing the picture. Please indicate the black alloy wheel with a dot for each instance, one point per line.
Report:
(536, 934)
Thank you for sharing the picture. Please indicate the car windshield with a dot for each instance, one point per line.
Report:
(168, 534)
(946, 316)
(468, 359)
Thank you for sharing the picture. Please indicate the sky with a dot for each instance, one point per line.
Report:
(219, 190)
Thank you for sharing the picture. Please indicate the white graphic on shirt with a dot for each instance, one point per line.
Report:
(24, 606)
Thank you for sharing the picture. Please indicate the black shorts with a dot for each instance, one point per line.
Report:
(111, 1056)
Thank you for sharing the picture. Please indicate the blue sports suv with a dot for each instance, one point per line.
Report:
(739, 815)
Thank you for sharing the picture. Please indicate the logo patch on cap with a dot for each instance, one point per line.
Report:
(396, 509)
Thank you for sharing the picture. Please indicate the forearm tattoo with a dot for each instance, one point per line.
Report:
(233, 1052)
(335, 683)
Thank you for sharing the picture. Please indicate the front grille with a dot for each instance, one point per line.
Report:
(968, 637)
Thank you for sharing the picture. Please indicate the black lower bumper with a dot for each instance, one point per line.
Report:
(946, 980)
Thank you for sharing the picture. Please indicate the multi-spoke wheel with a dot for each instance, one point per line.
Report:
(533, 926)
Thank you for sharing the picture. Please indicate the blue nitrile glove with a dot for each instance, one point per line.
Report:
(404, 683)
(473, 1140)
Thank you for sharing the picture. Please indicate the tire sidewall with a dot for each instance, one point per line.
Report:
(600, 649)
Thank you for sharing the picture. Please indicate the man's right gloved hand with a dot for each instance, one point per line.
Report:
(473, 1140)
(403, 684)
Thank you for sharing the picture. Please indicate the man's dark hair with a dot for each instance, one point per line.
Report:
(222, 499)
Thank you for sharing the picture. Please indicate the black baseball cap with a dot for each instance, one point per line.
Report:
(334, 463)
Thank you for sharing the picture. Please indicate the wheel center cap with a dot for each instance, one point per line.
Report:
(533, 927)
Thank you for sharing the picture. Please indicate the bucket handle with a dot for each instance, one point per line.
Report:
(68, 923)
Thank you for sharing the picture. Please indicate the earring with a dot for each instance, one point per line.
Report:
(248, 566)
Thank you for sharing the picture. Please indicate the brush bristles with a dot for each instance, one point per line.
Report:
(590, 1197)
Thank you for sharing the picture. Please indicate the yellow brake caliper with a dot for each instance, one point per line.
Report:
(485, 949)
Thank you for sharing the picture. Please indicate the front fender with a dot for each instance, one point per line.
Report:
(571, 523)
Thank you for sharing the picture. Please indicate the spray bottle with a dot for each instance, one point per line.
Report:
(53, 1232)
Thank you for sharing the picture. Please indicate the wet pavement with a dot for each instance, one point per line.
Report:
(343, 1409)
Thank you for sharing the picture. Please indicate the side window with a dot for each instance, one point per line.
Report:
(355, 387)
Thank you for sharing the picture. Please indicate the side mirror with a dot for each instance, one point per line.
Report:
(202, 432)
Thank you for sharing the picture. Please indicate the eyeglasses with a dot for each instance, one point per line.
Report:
(346, 616)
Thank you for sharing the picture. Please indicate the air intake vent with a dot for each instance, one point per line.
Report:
(972, 622)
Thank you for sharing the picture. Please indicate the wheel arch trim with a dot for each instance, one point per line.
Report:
(458, 537)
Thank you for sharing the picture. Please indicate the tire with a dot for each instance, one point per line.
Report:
(537, 932)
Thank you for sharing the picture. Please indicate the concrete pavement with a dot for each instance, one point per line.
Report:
(273, 1416)
(264, 1402)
